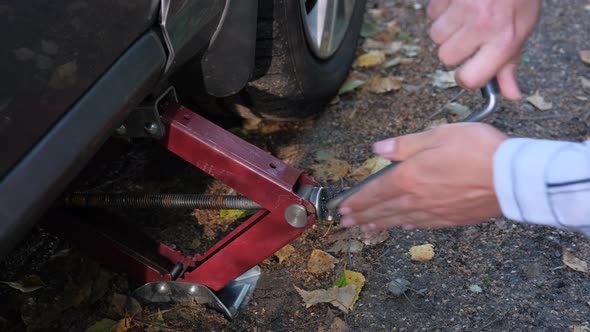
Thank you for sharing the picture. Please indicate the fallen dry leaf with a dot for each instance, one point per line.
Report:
(369, 29)
(370, 59)
(251, 123)
(345, 241)
(331, 170)
(350, 85)
(351, 277)
(291, 154)
(436, 123)
(369, 167)
(213, 219)
(371, 44)
(284, 253)
(393, 62)
(123, 325)
(338, 325)
(320, 262)
(411, 50)
(444, 79)
(573, 262)
(390, 33)
(195, 244)
(585, 56)
(585, 82)
(393, 48)
(539, 102)
(372, 238)
(457, 109)
(340, 297)
(388, 48)
(270, 127)
(352, 246)
(422, 253)
(379, 14)
(380, 84)
(27, 284)
(581, 328)
(233, 214)
(406, 61)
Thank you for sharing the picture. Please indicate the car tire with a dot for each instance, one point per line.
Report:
(291, 81)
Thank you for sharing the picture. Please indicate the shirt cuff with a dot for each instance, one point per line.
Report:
(520, 179)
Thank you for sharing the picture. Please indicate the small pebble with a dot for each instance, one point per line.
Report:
(398, 286)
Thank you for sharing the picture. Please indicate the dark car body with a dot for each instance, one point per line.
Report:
(73, 70)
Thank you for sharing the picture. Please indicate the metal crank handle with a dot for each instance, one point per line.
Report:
(335, 202)
(490, 92)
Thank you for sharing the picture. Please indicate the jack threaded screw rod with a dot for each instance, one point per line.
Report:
(183, 201)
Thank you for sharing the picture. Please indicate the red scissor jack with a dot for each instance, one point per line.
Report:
(225, 274)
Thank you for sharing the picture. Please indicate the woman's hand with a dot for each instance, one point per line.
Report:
(485, 36)
(445, 179)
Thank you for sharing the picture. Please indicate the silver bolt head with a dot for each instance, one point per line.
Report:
(122, 130)
(151, 128)
(162, 288)
(296, 215)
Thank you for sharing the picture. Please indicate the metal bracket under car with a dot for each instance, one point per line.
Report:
(145, 121)
(284, 214)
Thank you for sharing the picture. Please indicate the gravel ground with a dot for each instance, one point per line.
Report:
(524, 283)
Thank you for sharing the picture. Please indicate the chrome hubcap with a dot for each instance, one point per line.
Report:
(326, 22)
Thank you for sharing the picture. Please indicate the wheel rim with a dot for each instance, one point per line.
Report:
(326, 23)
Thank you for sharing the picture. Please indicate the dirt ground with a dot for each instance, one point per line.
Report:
(524, 283)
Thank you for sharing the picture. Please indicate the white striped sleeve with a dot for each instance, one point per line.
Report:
(544, 182)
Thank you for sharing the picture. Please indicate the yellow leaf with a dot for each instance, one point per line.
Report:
(320, 262)
(349, 277)
(422, 253)
(284, 252)
(370, 59)
(369, 167)
(384, 84)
